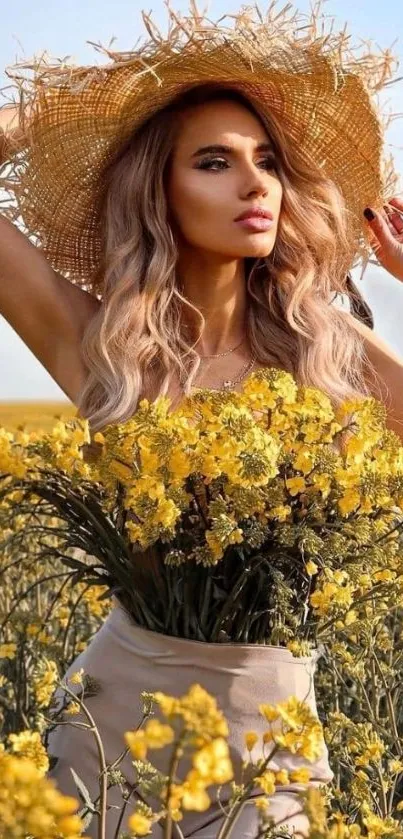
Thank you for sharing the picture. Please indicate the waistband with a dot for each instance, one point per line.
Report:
(233, 654)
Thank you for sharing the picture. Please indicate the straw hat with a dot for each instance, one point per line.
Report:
(324, 90)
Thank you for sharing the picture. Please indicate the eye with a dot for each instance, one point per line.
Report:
(269, 162)
(207, 164)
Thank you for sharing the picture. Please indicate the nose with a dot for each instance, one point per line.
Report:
(254, 182)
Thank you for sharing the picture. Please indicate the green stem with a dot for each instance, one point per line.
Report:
(102, 760)
(173, 765)
(226, 828)
(391, 709)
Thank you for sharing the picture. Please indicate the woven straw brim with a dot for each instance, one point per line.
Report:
(84, 115)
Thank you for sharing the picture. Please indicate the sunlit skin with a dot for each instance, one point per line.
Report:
(206, 192)
(204, 203)
(386, 235)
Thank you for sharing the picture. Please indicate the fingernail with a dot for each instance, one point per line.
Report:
(369, 215)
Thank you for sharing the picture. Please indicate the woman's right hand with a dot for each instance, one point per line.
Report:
(12, 137)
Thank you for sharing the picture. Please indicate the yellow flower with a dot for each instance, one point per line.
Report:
(372, 753)
(158, 735)
(140, 824)
(269, 712)
(213, 763)
(349, 501)
(72, 709)
(198, 710)
(384, 576)
(282, 777)
(44, 638)
(77, 677)
(33, 629)
(300, 776)
(136, 740)
(45, 683)
(343, 596)
(267, 782)
(340, 577)
(262, 804)
(311, 568)
(180, 464)
(70, 825)
(295, 485)
(350, 617)
(31, 805)
(193, 792)
(376, 826)
(321, 482)
(8, 650)
(315, 809)
(28, 744)
(301, 731)
(280, 512)
(175, 798)
(251, 739)
(166, 513)
(304, 460)
(197, 800)
(299, 648)
(395, 766)
(149, 460)
(321, 600)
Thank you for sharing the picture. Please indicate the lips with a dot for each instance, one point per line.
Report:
(255, 213)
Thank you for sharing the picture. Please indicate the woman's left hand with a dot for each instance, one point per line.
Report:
(386, 237)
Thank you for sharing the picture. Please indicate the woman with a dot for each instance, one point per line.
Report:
(212, 243)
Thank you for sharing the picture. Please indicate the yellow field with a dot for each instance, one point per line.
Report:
(34, 415)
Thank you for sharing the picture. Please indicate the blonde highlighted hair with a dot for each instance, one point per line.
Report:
(135, 336)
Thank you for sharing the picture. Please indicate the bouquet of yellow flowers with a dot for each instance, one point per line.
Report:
(266, 516)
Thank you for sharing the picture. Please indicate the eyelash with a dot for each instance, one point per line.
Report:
(206, 163)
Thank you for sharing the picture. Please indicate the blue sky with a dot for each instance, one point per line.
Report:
(62, 29)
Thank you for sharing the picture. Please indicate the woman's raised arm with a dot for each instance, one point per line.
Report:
(47, 311)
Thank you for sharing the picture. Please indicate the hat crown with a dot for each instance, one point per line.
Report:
(299, 66)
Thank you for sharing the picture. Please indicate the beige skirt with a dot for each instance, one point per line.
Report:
(127, 660)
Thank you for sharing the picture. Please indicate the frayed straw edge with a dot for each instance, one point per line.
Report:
(287, 27)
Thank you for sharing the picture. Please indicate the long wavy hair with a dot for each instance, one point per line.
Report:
(136, 335)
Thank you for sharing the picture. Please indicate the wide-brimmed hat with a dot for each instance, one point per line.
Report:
(324, 90)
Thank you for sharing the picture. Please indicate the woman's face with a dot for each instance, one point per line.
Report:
(208, 190)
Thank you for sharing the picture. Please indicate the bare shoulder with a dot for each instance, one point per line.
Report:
(384, 373)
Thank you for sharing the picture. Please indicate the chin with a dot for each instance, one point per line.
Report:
(257, 252)
(257, 245)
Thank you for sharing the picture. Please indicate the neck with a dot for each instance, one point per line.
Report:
(217, 290)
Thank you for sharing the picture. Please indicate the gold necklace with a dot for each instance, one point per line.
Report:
(229, 384)
(223, 354)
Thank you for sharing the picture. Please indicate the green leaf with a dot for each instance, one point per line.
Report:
(86, 820)
(82, 791)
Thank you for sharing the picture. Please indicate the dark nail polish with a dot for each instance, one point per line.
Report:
(369, 215)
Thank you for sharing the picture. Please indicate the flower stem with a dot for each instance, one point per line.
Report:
(228, 824)
(173, 765)
(102, 760)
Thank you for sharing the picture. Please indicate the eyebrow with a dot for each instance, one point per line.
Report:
(228, 149)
